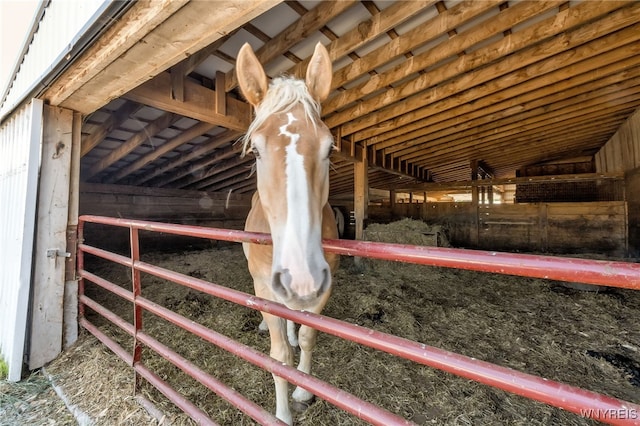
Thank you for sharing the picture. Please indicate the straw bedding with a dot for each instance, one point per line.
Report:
(586, 339)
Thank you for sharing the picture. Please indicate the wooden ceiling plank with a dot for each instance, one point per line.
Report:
(367, 31)
(115, 119)
(237, 165)
(187, 30)
(513, 149)
(230, 178)
(572, 127)
(186, 136)
(512, 102)
(248, 186)
(199, 103)
(149, 131)
(496, 126)
(521, 79)
(496, 25)
(193, 172)
(510, 143)
(198, 151)
(193, 165)
(431, 30)
(462, 75)
(310, 22)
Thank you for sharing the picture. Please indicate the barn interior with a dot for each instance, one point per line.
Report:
(498, 119)
(504, 125)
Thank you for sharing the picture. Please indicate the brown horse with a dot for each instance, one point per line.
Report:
(292, 148)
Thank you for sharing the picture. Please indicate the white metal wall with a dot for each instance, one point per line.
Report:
(20, 139)
(58, 31)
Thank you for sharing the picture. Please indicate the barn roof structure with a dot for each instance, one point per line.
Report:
(421, 89)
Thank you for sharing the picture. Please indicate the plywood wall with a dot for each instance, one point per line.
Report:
(622, 152)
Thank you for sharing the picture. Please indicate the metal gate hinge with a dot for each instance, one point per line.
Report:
(53, 253)
(56, 253)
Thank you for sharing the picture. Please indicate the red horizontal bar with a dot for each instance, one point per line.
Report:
(117, 258)
(598, 272)
(570, 398)
(106, 340)
(362, 409)
(174, 396)
(247, 406)
(107, 285)
(114, 318)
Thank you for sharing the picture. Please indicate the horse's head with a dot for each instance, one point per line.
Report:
(292, 148)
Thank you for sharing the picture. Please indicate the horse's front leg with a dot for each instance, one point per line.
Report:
(281, 351)
(302, 398)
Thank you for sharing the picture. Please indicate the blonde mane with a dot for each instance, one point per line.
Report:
(284, 93)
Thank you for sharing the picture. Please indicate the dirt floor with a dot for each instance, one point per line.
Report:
(586, 339)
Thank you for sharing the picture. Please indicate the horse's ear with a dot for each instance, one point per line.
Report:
(319, 73)
(251, 76)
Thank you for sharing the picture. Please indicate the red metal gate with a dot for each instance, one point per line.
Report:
(582, 402)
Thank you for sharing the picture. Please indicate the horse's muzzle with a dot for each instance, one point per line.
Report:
(301, 290)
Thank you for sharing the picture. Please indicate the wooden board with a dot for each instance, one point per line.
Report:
(573, 228)
(51, 238)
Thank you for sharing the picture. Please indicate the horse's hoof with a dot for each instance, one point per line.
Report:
(300, 406)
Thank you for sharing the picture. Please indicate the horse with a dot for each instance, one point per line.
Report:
(292, 147)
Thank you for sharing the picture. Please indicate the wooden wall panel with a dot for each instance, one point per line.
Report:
(561, 228)
(633, 206)
(622, 152)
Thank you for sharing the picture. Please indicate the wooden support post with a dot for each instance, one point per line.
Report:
(177, 82)
(475, 228)
(70, 314)
(221, 95)
(47, 298)
(361, 194)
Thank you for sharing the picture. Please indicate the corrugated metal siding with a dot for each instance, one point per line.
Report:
(20, 139)
(62, 24)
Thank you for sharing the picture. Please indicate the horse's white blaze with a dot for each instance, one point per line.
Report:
(297, 226)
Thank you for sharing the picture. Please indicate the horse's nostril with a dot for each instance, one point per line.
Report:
(326, 281)
(281, 283)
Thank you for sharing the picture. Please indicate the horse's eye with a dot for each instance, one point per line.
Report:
(255, 151)
(330, 151)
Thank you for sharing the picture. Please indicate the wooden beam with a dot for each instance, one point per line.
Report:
(430, 30)
(179, 29)
(178, 74)
(112, 122)
(361, 192)
(186, 136)
(150, 130)
(367, 31)
(141, 19)
(221, 98)
(199, 103)
(467, 71)
(488, 115)
(192, 165)
(441, 186)
(310, 22)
